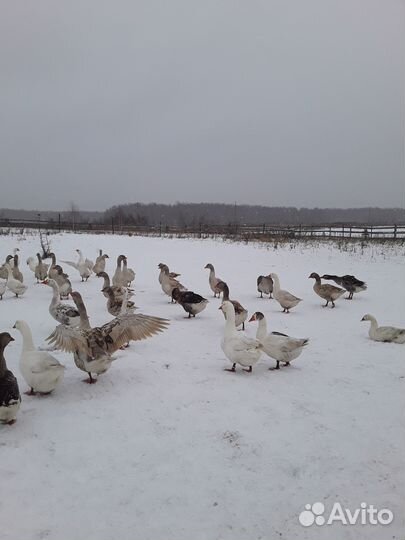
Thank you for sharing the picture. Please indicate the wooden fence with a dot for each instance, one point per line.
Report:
(354, 231)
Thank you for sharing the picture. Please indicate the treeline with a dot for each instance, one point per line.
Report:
(188, 214)
(192, 214)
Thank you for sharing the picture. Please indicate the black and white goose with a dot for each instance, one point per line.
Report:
(10, 398)
(350, 283)
(191, 302)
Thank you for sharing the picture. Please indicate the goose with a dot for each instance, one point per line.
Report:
(280, 347)
(5, 266)
(52, 271)
(10, 398)
(286, 300)
(83, 266)
(330, 293)
(65, 287)
(388, 334)
(171, 274)
(118, 306)
(265, 285)
(191, 302)
(99, 265)
(32, 264)
(41, 371)
(239, 349)
(63, 313)
(213, 280)
(3, 287)
(128, 275)
(16, 271)
(41, 269)
(118, 277)
(14, 285)
(350, 283)
(241, 313)
(118, 291)
(168, 283)
(92, 348)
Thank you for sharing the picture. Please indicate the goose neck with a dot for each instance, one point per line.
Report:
(28, 342)
(261, 329)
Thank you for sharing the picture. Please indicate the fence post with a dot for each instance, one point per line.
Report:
(59, 222)
(264, 228)
(395, 232)
(112, 225)
(160, 228)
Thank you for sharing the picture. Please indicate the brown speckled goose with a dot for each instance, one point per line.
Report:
(41, 269)
(93, 348)
(17, 274)
(99, 265)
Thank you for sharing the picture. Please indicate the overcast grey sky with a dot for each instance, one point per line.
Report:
(275, 102)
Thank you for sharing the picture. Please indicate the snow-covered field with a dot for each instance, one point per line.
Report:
(169, 446)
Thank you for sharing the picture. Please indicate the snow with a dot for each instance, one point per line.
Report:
(168, 445)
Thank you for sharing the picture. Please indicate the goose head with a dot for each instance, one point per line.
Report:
(257, 316)
(5, 339)
(226, 307)
(368, 317)
(314, 275)
(209, 266)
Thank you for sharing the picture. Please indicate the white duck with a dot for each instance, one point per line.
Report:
(14, 285)
(41, 371)
(286, 300)
(239, 349)
(83, 266)
(213, 280)
(278, 346)
(388, 334)
(63, 313)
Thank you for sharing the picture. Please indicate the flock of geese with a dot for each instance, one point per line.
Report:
(93, 347)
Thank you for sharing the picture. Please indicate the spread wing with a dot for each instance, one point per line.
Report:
(68, 339)
(71, 263)
(130, 327)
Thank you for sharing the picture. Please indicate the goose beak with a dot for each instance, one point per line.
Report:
(14, 325)
(252, 318)
(363, 319)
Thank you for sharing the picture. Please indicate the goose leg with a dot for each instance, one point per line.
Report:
(277, 366)
(11, 422)
(90, 380)
(261, 294)
(333, 303)
(233, 368)
(30, 392)
(326, 305)
(249, 370)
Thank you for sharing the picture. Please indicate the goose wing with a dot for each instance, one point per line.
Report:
(130, 327)
(69, 339)
(71, 263)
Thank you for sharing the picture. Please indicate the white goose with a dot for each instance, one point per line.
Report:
(83, 266)
(388, 334)
(14, 285)
(5, 266)
(41, 371)
(278, 346)
(17, 274)
(239, 349)
(128, 274)
(286, 300)
(3, 287)
(63, 313)
(118, 277)
(32, 264)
